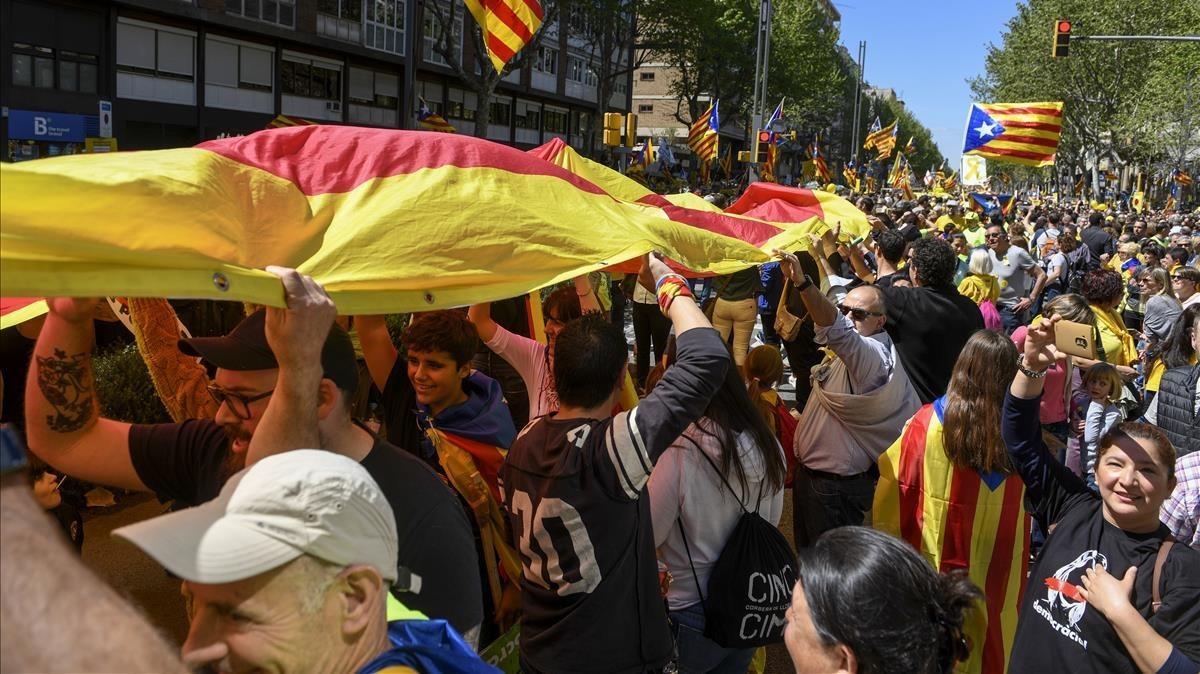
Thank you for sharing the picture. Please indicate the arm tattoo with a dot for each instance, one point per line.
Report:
(66, 383)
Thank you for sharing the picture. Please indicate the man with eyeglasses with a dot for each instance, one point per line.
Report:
(1012, 265)
(189, 462)
(860, 401)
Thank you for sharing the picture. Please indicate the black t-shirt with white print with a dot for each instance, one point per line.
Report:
(1057, 631)
(574, 492)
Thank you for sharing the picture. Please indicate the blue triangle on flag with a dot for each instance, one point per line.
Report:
(981, 129)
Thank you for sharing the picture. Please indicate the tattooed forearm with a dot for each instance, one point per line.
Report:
(66, 383)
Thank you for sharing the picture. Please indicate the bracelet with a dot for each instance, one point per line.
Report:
(669, 288)
(1032, 374)
(659, 283)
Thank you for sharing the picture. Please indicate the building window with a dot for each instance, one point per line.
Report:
(343, 9)
(385, 26)
(646, 76)
(528, 116)
(279, 12)
(311, 79)
(501, 113)
(579, 70)
(462, 104)
(165, 54)
(645, 107)
(432, 32)
(368, 87)
(34, 66)
(547, 61)
(237, 65)
(556, 120)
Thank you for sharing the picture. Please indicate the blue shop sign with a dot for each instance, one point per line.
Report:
(48, 126)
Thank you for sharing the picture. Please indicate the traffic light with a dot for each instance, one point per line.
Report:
(630, 128)
(744, 156)
(762, 146)
(612, 128)
(1062, 38)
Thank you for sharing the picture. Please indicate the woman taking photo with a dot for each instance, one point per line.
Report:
(949, 474)
(1103, 290)
(1109, 592)
(726, 461)
(867, 603)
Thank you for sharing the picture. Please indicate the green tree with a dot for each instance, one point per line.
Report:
(1131, 97)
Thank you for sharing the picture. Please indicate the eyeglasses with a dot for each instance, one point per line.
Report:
(1181, 278)
(238, 404)
(856, 313)
(996, 235)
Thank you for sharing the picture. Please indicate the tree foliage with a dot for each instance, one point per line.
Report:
(1131, 97)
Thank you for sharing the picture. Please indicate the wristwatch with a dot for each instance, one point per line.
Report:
(805, 284)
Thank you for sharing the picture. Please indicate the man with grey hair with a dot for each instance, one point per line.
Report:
(860, 401)
(288, 570)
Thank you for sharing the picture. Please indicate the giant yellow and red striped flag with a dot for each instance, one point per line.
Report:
(388, 221)
(885, 145)
(507, 25)
(702, 136)
(959, 518)
(1021, 133)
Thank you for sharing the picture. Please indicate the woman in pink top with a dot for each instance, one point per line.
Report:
(531, 359)
(1057, 396)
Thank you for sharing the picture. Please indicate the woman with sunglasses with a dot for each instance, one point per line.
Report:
(1185, 281)
(1110, 592)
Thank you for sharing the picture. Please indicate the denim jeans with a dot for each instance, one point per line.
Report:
(820, 503)
(1011, 319)
(696, 653)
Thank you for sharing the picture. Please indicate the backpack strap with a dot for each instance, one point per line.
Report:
(719, 473)
(1156, 581)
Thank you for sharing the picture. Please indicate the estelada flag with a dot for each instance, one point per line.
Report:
(959, 518)
(431, 121)
(1021, 133)
(507, 25)
(283, 121)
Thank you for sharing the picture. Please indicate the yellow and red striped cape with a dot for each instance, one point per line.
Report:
(959, 518)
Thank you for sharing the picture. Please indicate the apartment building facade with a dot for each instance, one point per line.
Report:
(171, 73)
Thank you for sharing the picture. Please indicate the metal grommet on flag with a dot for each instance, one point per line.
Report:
(428, 297)
(220, 281)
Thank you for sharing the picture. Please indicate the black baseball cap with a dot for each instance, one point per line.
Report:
(245, 348)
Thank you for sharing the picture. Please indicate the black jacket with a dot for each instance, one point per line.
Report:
(1177, 408)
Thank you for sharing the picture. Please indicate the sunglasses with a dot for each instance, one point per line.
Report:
(238, 403)
(856, 313)
(1000, 235)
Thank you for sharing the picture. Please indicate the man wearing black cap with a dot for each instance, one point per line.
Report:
(189, 462)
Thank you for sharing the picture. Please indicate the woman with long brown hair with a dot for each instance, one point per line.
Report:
(947, 487)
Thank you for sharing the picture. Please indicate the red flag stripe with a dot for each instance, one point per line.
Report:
(1001, 112)
(1015, 153)
(506, 15)
(1029, 140)
(960, 514)
(497, 47)
(536, 7)
(365, 154)
(996, 585)
(1040, 126)
(910, 476)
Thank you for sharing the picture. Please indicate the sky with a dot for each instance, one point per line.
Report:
(926, 50)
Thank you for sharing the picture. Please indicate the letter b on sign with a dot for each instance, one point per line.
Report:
(39, 126)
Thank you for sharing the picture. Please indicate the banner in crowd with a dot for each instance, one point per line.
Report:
(388, 221)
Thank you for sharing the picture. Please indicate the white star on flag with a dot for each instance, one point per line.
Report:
(986, 129)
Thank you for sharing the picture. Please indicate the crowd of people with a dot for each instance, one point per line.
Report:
(969, 493)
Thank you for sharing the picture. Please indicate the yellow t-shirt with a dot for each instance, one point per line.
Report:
(975, 237)
(1157, 370)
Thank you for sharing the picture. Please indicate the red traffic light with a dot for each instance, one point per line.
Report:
(1064, 26)
(764, 136)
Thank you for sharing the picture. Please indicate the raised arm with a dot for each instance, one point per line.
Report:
(819, 307)
(589, 300)
(296, 335)
(858, 262)
(62, 415)
(377, 347)
(180, 381)
(480, 316)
